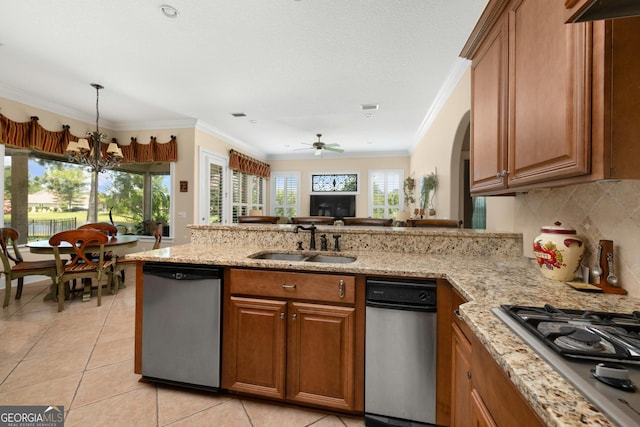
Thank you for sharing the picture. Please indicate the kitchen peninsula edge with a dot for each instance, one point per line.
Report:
(486, 268)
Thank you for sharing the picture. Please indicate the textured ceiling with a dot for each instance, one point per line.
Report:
(295, 68)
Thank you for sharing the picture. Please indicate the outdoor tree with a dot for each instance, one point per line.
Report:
(35, 183)
(67, 183)
(125, 195)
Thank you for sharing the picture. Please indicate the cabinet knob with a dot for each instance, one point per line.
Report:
(282, 315)
(341, 288)
(294, 316)
(469, 374)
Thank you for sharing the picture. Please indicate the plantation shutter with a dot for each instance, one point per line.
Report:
(215, 194)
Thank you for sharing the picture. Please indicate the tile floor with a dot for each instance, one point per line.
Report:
(82, 359)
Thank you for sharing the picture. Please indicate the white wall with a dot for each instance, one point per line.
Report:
(336, 165)
(439, 149)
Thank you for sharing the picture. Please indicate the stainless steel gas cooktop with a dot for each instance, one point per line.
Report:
(597, 352)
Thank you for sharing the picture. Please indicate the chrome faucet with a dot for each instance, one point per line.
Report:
(312, 229)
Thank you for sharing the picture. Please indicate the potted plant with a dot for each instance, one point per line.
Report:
(408, 186)
(427, 191)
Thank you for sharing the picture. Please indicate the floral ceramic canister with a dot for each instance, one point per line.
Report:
(558, 251)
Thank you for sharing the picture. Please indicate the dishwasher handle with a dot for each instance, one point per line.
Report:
(399, 306)
(178, 272)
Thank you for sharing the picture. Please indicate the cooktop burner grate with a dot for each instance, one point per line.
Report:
(583, 333)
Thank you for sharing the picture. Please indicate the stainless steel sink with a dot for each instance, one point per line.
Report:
(279, 256)
(303, 257)
(331, 258)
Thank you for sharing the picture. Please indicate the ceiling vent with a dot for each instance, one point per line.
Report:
(369, 107)
(238, 114)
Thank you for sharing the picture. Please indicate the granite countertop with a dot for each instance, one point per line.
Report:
(485, 282)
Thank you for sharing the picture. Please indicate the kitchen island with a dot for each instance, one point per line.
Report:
(483, 267)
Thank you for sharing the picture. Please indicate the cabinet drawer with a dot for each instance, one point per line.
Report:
(307, 286)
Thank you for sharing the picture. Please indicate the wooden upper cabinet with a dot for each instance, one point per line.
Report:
(549, 94)
(573, 7)
(571, 97)
(616, 98)
(489, 110)
(530, 97)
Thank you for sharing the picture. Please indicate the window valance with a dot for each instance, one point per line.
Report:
(31, 135)
(243, 163)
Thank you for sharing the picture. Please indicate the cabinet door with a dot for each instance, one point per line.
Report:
(574, 8)
(255, 350)
(549, 94)
(489, 78)
(480, 415)
(321, 355)
(461, 381)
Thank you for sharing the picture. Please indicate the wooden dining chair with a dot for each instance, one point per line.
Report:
(82, 265)
(258, 219)
(104, 227)
(20, 267)
(375, 222)
(449, 223)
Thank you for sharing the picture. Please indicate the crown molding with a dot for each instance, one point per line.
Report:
(486, 21)
(26, 98)
(217, 133)
(458, 69)
(155, 124)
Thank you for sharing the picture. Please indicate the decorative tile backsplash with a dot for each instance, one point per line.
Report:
(601, 210)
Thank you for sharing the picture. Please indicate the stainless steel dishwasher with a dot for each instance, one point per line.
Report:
(181, 324)
(400, 354)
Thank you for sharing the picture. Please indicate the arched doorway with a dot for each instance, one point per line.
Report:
(461, 203)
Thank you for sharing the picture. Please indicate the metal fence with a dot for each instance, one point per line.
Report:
(39, 229)
(45, 228)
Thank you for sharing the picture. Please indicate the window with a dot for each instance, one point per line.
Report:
(45, 194)
(247, 193)
(124, 193)
(285, 191)
(385, 197)
(334, 183)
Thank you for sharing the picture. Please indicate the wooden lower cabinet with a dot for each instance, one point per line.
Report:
(480, 415)
(472, 390)
(320, 355)
(306, 352)
(255, 356)
(461, 379)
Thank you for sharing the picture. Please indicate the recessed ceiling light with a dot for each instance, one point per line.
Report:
(169, 11)
(238, 114)
(253, 121)
(368, 115)
(367, 107)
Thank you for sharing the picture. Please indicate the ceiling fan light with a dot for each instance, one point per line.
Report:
(318, 152)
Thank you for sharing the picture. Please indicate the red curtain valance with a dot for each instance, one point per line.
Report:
(31, 135)
(246, 164)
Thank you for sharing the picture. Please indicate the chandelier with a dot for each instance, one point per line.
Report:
(92, 155)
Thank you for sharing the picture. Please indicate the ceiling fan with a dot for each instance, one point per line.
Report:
(320, 146)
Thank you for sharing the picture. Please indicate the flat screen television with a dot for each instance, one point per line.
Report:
(332, 205)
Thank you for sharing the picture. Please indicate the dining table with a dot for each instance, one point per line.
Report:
(115, 244)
